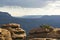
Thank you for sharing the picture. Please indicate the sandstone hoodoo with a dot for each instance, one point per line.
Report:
(16, 31)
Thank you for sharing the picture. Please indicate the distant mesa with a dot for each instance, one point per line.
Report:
(41, 16)
(4, 14)
(5, 17)
(32, 16)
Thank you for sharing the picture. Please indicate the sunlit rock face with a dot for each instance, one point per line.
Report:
(5, 34)
(16, 31)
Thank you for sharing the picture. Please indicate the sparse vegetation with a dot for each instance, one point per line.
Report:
(45, 26)
(48, 27)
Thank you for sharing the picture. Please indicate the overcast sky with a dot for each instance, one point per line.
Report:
(30, 7)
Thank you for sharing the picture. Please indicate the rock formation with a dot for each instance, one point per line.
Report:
(5, 34)
(16, 31)
(38, 33)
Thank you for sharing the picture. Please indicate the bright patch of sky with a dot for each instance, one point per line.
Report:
(51, 8)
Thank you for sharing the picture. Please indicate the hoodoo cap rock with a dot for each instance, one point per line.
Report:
(11, 25)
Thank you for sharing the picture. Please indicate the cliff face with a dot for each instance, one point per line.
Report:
(5, 17)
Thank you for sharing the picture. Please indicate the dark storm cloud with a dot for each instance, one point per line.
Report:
(25, 3)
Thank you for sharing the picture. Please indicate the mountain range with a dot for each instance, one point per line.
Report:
(30, 22)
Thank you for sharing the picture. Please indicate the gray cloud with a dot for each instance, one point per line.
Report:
(25, 3)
